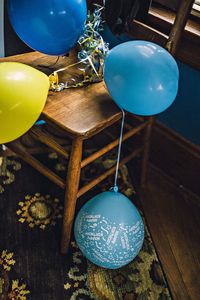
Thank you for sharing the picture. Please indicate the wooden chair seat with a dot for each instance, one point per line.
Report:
(79, 111)
(82, 111)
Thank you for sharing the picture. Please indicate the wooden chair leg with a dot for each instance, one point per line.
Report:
(72, 185)
(145, 158)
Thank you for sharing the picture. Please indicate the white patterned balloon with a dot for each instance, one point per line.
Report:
(109, 230)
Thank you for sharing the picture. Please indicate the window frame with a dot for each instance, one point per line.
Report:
(157, 27)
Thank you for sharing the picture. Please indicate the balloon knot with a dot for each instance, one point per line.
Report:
(115, 189)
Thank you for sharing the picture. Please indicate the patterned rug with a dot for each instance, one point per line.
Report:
(31, 266)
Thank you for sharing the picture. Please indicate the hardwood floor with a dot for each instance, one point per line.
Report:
(174, 222)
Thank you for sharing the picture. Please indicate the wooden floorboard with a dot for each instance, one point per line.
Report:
(174, 223)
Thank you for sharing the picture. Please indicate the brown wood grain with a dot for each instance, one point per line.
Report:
(178, 26)
(174, 224)
(162, 19)
(143, 31)
(109, 147)
(17, 148)
(110, 171)
(82, 112)
(72, 185)
(42, 136)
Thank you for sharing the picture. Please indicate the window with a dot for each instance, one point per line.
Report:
(196, 8)
(174, 5)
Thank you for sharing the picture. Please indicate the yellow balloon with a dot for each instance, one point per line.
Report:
(23, 93)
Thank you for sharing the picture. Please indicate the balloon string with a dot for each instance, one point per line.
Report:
(119, 151)
(72, 65)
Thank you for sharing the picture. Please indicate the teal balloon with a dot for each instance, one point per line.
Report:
(109, 230)
(141, 77)
(51, 27)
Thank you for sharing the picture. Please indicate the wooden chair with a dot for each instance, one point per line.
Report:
(81, 114)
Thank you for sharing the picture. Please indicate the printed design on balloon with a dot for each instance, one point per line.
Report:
(105, 237)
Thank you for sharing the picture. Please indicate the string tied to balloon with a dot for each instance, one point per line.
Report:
(115, 187)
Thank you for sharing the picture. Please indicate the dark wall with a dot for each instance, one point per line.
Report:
(13, 44)
(184, 115)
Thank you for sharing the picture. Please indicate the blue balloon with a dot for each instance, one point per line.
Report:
(109, 230)
(51, 27)
(141, 77)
